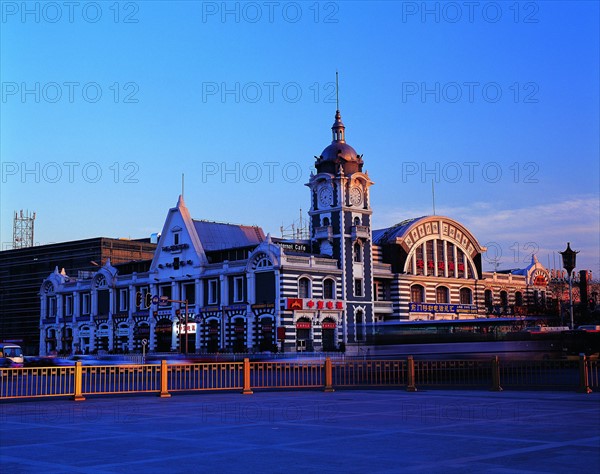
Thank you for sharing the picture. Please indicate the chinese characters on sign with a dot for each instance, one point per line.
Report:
(442, 308)
(299, 303)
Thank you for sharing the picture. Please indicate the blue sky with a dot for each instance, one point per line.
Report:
(106, 104)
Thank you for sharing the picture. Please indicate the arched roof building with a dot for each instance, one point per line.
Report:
(431, 246)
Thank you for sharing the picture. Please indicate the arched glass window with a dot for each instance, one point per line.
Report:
(304, 288)
(264, 263)
(417, 294)
(489, 298)
(357, 252)
(518, 298)
(357, 220)
(329, 289)
(441, 295)
(360, 334)
(466, 296)
(100, 281)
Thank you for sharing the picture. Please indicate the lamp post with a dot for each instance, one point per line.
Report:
(569, 258)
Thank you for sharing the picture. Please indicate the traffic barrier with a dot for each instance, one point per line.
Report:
(163, 379)
(454, 373)
(204, 376)
(33, 382)
(369, 373)
(546, 374)
(593, 373)
(279, 375)
(584, 386)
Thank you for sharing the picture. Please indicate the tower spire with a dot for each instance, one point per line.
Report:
(338, 129)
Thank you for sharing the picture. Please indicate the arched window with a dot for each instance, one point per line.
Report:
(357, 220)
(441, 295)
(360, 334)
(100, 281)
(518, 298)
(326, 221)
(263, 262)
(304, 288)
(466, 296)
(489, 298)
(357, 252)
(328, 289)
(417, 294)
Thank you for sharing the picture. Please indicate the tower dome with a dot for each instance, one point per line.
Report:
(339, 152)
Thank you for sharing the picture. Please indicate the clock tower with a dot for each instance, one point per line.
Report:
(340, 226)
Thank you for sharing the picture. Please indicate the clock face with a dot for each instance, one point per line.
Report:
(325, 196)
(356, 196)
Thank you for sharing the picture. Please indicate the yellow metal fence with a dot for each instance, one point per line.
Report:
(211, 376)
(80, 381)
(370, 373)
(36, 382)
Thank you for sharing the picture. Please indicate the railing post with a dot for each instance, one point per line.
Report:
(78, 397)
(164, 380)
(410, 372)
(328, 376)
(496, 375)
(584, 386)
(247, 390)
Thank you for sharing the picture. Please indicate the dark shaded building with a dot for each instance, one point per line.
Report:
(23, 270)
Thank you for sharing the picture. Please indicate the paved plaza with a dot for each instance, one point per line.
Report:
(354, 431)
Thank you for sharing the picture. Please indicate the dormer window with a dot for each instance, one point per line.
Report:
(176, 238)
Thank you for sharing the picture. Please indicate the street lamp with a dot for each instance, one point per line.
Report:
(569, 258)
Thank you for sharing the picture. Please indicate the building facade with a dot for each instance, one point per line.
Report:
(223, 287)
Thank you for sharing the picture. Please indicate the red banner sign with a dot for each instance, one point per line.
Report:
(298, 304)
(302, 325)
(328, 325)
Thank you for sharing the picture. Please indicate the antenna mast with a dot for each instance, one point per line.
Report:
(23, 230)
(337, 92)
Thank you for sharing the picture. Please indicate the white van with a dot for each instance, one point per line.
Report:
(12, 353)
